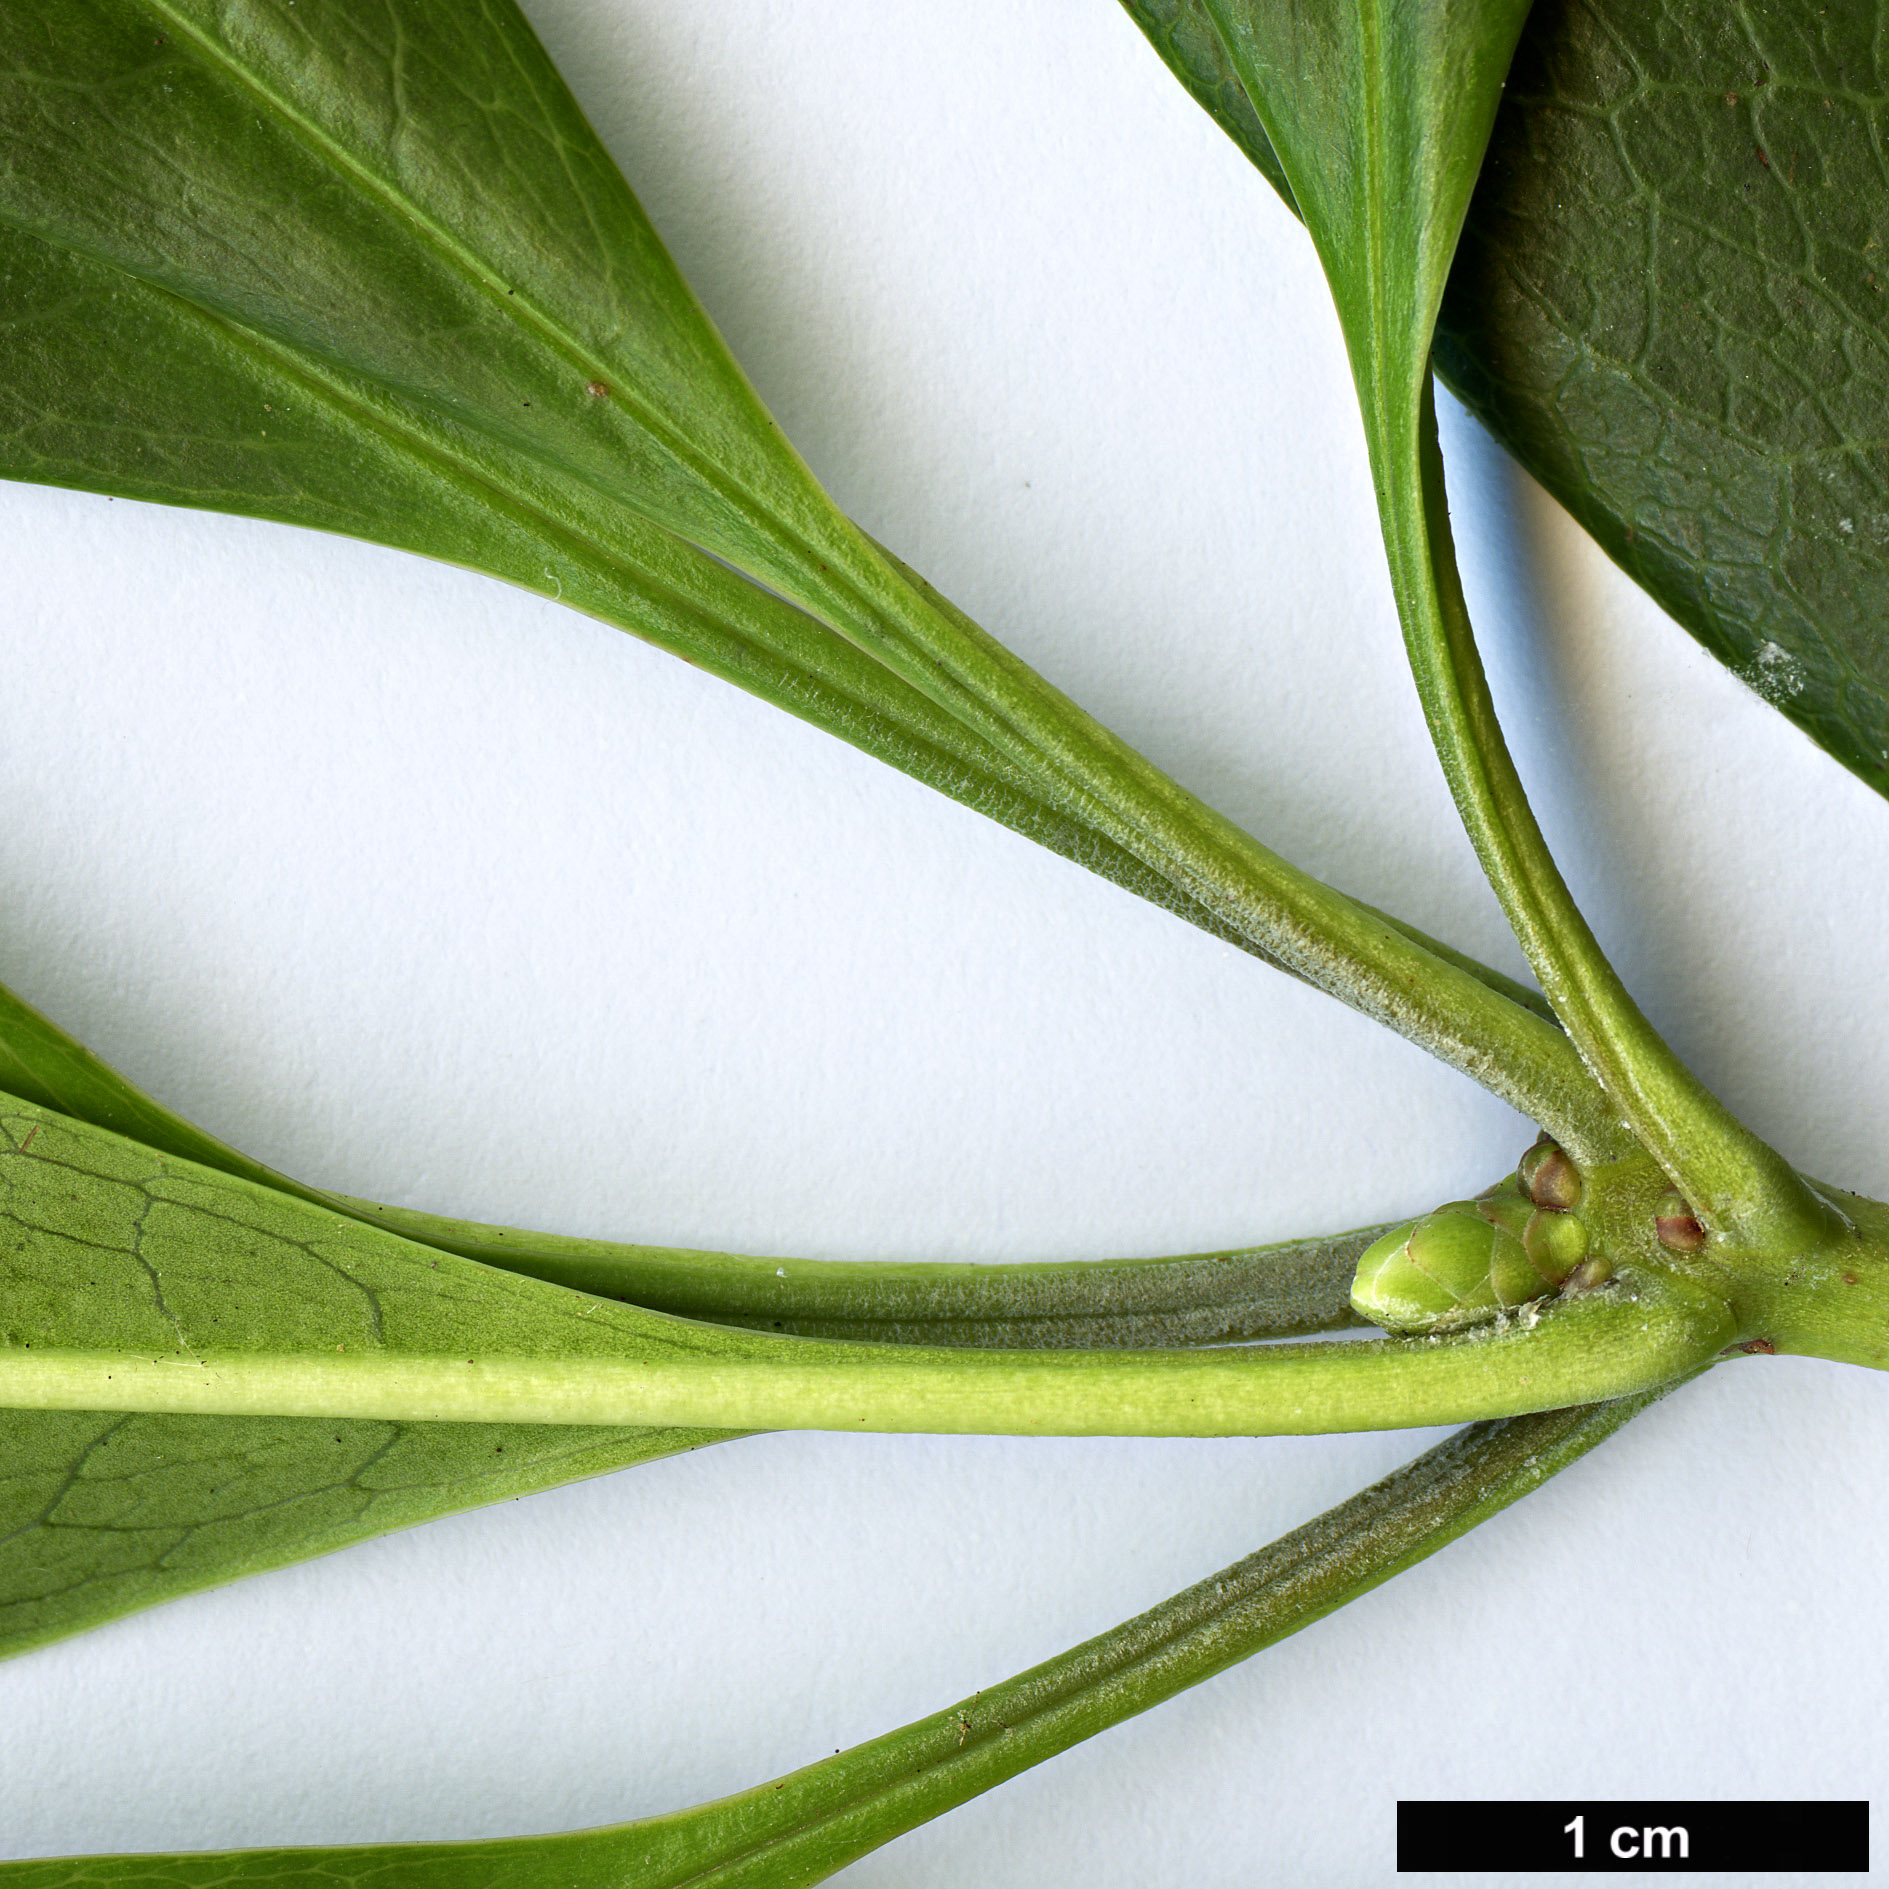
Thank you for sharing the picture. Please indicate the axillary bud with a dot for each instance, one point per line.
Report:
(1466, 1263)
(1549, 1177)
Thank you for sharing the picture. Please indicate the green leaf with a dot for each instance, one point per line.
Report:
(1183, 32)
(105, 1513)
(1670, 307)
(803, 1827)
(1285, 1289)
(406, 294)
(409, 196)
(1670, 304)
(1379, 114)
(102, 1513)
(120, 386)
(131, 1280)
(384, 385)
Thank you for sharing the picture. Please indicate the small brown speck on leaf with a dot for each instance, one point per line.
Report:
(1850, 1279)
(597, 390)
(1759, 1347)
(1731, 98)
(1764, 157)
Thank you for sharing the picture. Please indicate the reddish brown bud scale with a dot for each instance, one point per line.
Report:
(1549, 1177)
(1595, 1270)
(1679, 1231)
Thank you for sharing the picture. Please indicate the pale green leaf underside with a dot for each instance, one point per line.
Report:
(102, 1513)
(1287, 1288)
(105, 1513)
(131, 1280)
(801, 1828)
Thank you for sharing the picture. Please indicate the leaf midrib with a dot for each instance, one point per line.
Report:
(1371, 50)
(1068, 1692)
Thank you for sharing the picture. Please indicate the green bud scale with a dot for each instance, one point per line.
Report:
(1468, 1262)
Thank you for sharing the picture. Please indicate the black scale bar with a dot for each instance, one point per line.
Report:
(1656, 1838)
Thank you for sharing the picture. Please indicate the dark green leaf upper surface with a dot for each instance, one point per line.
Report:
(1672, 302)
(1668, 302)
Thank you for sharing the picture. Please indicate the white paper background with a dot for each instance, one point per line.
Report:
(421, 888)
